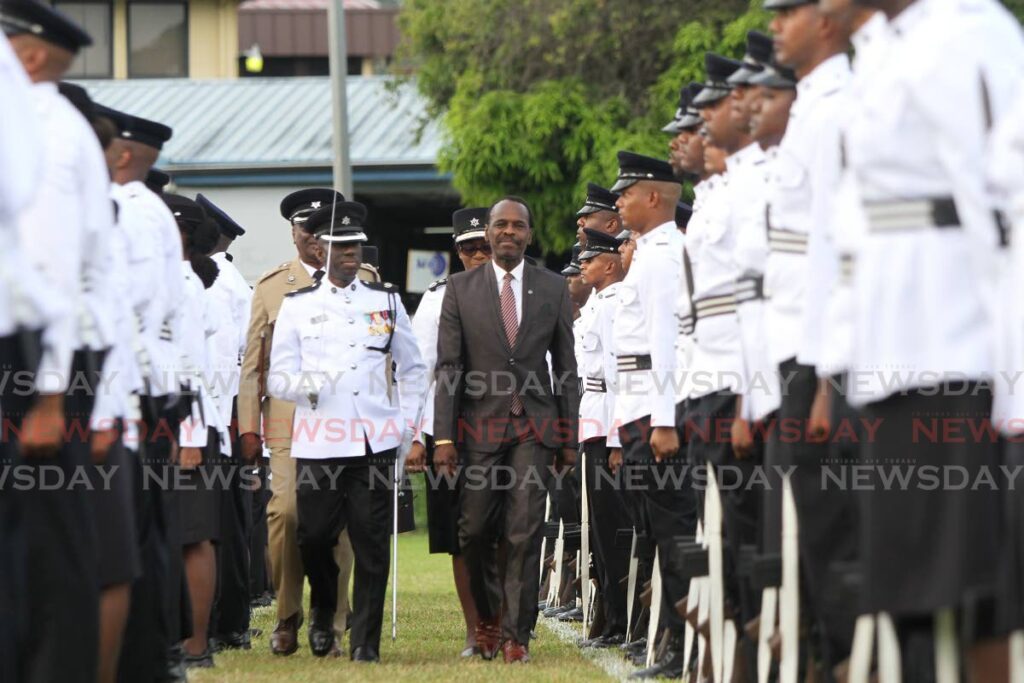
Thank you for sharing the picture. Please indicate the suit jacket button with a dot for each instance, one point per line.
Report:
(511, 361)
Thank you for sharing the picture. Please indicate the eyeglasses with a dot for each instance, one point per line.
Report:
(473, 249)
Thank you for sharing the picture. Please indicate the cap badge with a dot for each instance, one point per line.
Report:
(475, 222)
(346, 220)
(314, 205)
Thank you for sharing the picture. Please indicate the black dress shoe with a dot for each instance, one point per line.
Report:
(174, 669)
(264, 600)
(200, 661)
(555, 611)
(235, 640)
(365, 653)
(574, 615)
(669, 666)
(321, 632)
(605, 642)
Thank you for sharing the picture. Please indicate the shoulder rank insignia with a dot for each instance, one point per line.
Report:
(274, 271)
(437, 284)
(304, 290)
(381, 286)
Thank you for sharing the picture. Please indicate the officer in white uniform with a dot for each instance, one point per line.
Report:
(156, 294)
(231, 299)
(925, 280)
(645, 337)
(602, 268)
(329, 357)
(61, 591)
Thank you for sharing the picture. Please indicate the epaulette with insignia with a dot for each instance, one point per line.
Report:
(305, 290)
(437, 284)
(274, 271)
(381, 286)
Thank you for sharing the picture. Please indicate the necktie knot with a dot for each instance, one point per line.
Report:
(508, 278)
(318, 275)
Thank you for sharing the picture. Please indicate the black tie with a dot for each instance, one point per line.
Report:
(318, 275)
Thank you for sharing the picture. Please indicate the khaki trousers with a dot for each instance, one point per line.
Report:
(282, 532)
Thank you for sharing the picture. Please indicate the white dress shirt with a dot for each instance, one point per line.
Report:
(796, 206)
(927, 298)
(233, 296)
(517, 285)
(645, 324)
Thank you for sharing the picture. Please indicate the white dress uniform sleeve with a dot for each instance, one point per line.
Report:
(658, 298)
(191, 336)
(286, 380)
(607, 313)
(411, 374)
(425, 325)
(20, 135)
(57, 208)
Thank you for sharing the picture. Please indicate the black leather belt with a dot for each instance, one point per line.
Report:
(787, 241)
(595, 385)
(915, 214)
(749, 288)
(633, 363)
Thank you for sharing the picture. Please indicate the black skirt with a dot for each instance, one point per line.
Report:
(114, 516)
(442, 508)
(199, 497)
(1011, 581)
(930, 542)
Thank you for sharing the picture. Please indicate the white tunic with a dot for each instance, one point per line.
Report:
(233, 299)
(645, 324)
(795, 208)
(596, 362)
(327, 342)
(926, 298)
(425, 325)
(71, 208)
(760, 386)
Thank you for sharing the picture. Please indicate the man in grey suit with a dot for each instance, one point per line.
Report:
(508, 416)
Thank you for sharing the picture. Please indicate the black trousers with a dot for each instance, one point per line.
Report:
(608, 514)
(61, 583)
(259, 576)
(353, 493)
(670, 508)
(231, 604)
(827, 519)
(512, 513)
(19, 355)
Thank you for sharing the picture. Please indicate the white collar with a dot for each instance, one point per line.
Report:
(870, 32)
(825, 77)
(309, 269)
(517, 272)
(661, 229)
(748, 155)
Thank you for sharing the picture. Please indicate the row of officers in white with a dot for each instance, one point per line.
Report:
(848, 266)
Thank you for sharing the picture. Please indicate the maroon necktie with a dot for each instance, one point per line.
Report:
(511, 323)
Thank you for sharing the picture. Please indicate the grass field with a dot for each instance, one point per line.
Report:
(430, 636)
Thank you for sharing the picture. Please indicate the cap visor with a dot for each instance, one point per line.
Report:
(471, 235)
(671, 127)
(771, 79)
(589, 255)
(622, 183)
(742, 76)
(690, 121)
(341, 239)
(587, 210)
(570, 270)
(709, 96)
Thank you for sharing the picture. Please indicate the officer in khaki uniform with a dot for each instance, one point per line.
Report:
(254, 403)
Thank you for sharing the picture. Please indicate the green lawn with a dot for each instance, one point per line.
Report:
(430, 636)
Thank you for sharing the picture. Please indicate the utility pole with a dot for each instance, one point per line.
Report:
(338, 61)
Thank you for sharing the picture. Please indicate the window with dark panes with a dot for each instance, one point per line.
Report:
(157, 39)
(95, 61)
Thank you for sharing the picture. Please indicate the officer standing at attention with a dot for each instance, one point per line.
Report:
(646, 360)
(925, 281)
(806, 178)
(61, 591)
(262, 417)
(442, 499)
(598, 213)
(330, 357)
(231, 299)
(599, 437)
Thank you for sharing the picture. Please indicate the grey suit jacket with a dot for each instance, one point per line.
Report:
(477, 370)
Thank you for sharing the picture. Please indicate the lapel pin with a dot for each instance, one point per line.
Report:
(529, 291)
